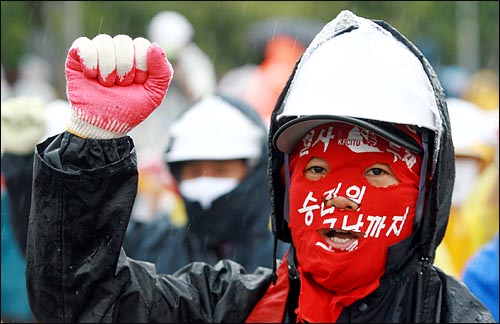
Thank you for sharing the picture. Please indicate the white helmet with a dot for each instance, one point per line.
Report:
(214, 129)
(360, 75)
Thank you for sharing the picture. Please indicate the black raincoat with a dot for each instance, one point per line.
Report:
(77, 270)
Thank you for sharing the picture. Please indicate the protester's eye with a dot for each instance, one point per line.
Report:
(316, 169)
(376, 171)
(380, 175)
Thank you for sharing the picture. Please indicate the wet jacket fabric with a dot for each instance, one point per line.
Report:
(77, 270)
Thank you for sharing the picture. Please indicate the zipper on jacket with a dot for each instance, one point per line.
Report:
(424, 266)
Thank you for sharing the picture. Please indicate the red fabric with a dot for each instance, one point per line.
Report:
(271, 307)
(332, 278)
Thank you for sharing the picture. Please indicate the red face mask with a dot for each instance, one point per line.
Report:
(350, 203)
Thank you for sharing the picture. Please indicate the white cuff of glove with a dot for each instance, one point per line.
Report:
(83, 129)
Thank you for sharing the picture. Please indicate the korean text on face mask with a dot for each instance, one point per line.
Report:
(375, 224)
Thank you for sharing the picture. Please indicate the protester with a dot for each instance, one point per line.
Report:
(25, 121)
(22, 127)
(473, 217)
(194, 78)
(364, 226)
(217, 153)
(481, 270)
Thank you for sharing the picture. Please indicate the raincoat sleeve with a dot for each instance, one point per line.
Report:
(77, 271)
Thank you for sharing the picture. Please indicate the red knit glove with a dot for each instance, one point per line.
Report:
(113, 84)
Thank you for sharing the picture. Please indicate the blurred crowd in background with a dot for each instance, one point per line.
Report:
(469, 250)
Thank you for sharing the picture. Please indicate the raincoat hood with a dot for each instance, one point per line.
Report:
(366, 73)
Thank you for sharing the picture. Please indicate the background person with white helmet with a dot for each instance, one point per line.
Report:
(25, 121)
(480, 215)
(474, 205)
(217, 153)
(194, 78)
(22, 127)
(360, 175)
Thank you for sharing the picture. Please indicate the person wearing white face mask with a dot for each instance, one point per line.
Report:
(217, 154)
(206, 180)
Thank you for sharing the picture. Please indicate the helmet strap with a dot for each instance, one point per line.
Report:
(286, 215)
(286, 207)
(274, 275)
(423, 178)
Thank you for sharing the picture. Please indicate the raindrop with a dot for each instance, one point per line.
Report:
(363, 307)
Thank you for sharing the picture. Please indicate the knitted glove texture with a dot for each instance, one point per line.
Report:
(113, 84)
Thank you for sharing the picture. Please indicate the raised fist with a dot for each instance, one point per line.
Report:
(113, 84)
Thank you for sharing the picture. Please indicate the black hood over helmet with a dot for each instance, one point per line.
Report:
(286, 128)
